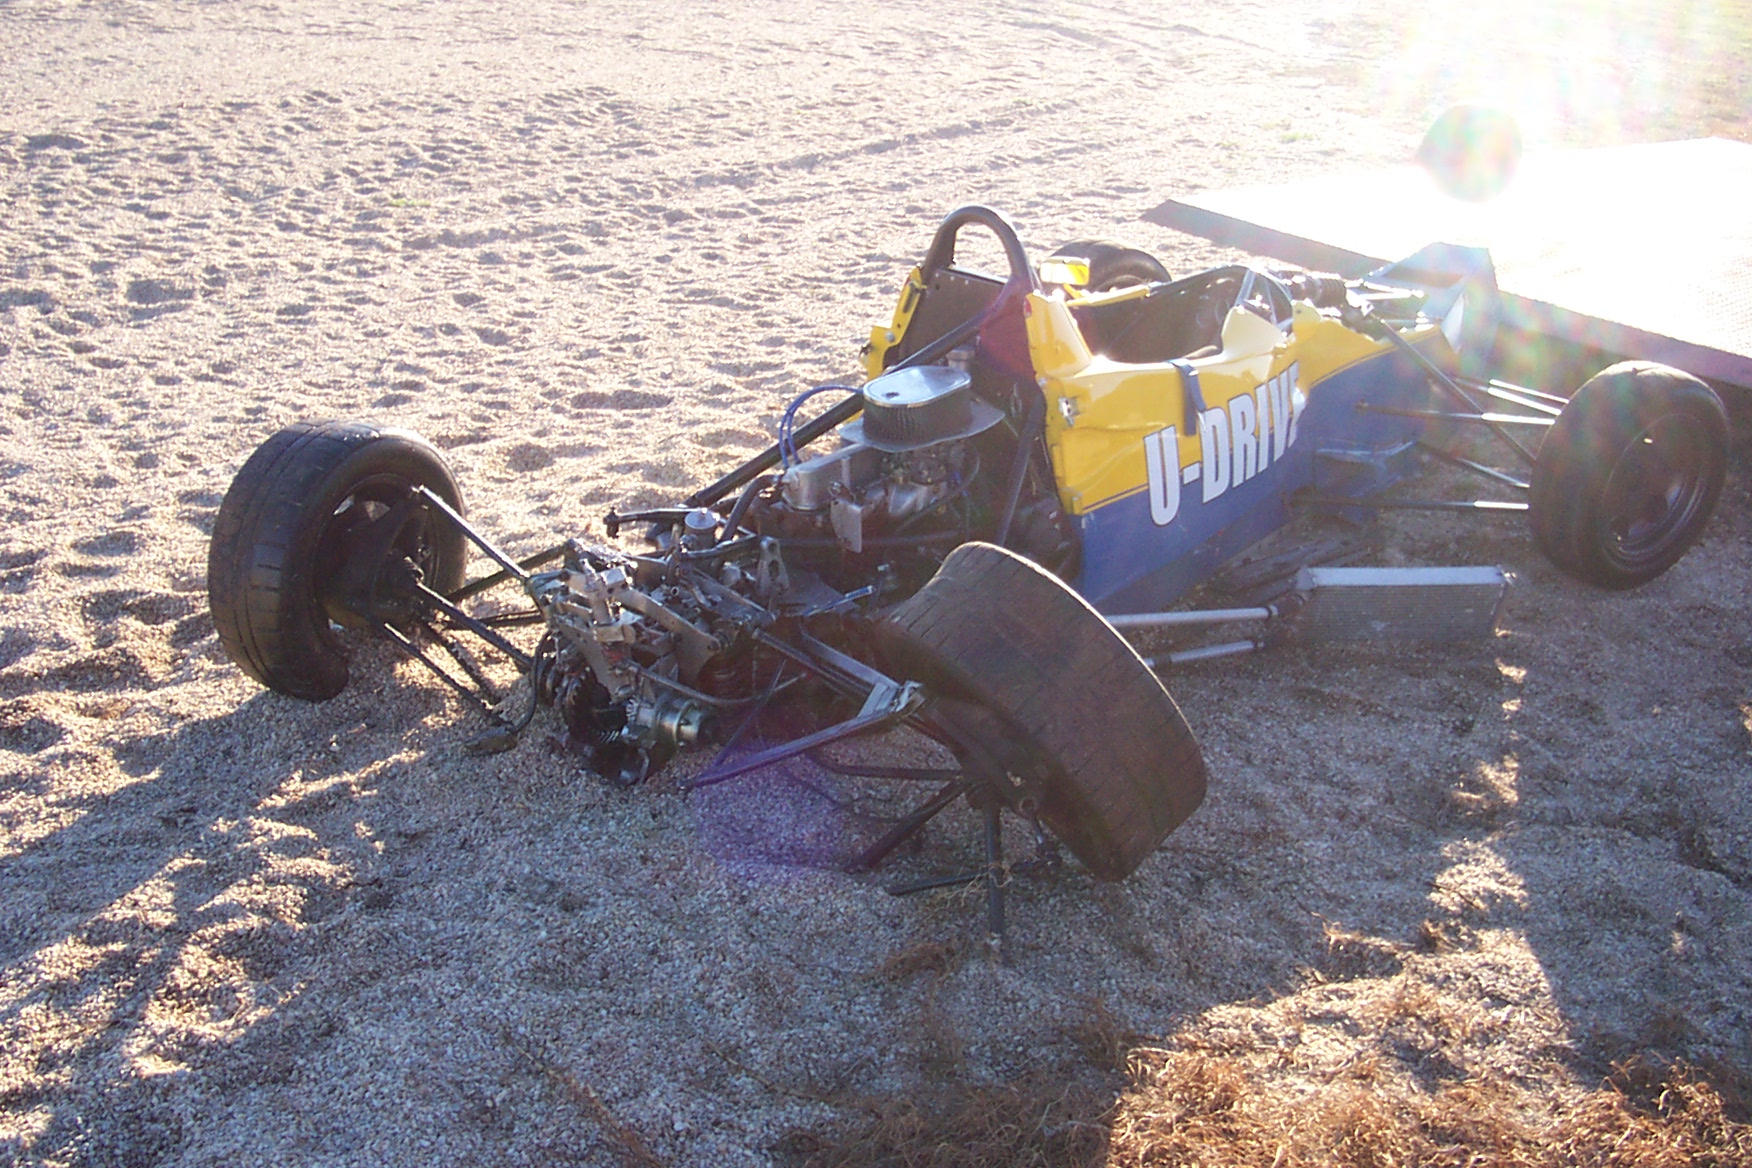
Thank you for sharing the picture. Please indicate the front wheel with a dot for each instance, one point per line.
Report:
(290, 531)
(1629, 474)
(1046, 686)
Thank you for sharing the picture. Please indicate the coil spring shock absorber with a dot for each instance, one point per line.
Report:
(728, 675)
(740, 671)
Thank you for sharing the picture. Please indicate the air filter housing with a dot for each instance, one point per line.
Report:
(921, 406)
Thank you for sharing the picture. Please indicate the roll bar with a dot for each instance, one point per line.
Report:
(942, 252)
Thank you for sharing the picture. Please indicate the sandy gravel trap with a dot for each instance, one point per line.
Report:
(591, 251)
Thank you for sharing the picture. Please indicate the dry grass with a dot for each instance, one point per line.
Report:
(1186, 1107)
(1041, 1122)
(626, 1144)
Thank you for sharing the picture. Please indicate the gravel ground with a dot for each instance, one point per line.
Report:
(591, 251)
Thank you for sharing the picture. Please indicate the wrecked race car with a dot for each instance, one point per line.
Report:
(1034, 463)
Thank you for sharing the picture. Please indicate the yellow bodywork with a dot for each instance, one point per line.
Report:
(883, 339)
(1099, 411)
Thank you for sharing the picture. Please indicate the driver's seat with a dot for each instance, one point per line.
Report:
(1246, 334)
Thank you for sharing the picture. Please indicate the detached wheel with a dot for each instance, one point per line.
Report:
(1056, 691)
(290, 528)
(1112, 265)
(1629, 474)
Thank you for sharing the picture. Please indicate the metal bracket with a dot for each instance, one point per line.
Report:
(907, 699)
(771, 579)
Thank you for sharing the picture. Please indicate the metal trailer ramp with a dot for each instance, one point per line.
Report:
(1644, 251)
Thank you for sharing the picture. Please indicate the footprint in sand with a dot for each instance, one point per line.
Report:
(110, 543)
(53, 142)
(730, 436)
(528, 457)
(149, 608)
(26, 727)
(151, 292)
(18, 568)
(15, 646)
(104, 612)
(620, 399)
(113, 667)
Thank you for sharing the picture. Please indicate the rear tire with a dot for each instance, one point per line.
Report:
(1069, 701)
(1113, 265)
(1629, 474)
(1112, 330)
(280, 538)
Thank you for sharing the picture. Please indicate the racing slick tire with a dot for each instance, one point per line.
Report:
(281, 538)
(1112, 265)
(1629, 474)
(1062, 696)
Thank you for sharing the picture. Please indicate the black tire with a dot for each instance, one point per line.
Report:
(1113, 330)
(280, 536)
(1060, 692)
(1629, 474)
(1113, 265)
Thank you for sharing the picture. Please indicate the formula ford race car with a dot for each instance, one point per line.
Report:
(1083, 437)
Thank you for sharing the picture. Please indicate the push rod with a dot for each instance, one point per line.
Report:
(1511, 387)
(1441, 378)
(1489, 472)
(479, 628)
(851, 727)
(900, 832)
(1414, 504)
(528, 564)
(899, 774)
(1202, 653)
(1208, 616)
(1522, 399)
(486, 545)
(402, 642)
(1489, 419)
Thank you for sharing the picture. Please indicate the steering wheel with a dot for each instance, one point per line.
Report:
(1264, 295)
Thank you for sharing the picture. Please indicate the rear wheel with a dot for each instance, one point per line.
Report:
(1629, 474)
(1113, 330)
(291, 530)
(1048, 688)
(1113, 265)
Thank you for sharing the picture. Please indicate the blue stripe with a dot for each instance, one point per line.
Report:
(1132, 565)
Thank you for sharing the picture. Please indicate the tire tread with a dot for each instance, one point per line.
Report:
(252, 573)
(1122, 767)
